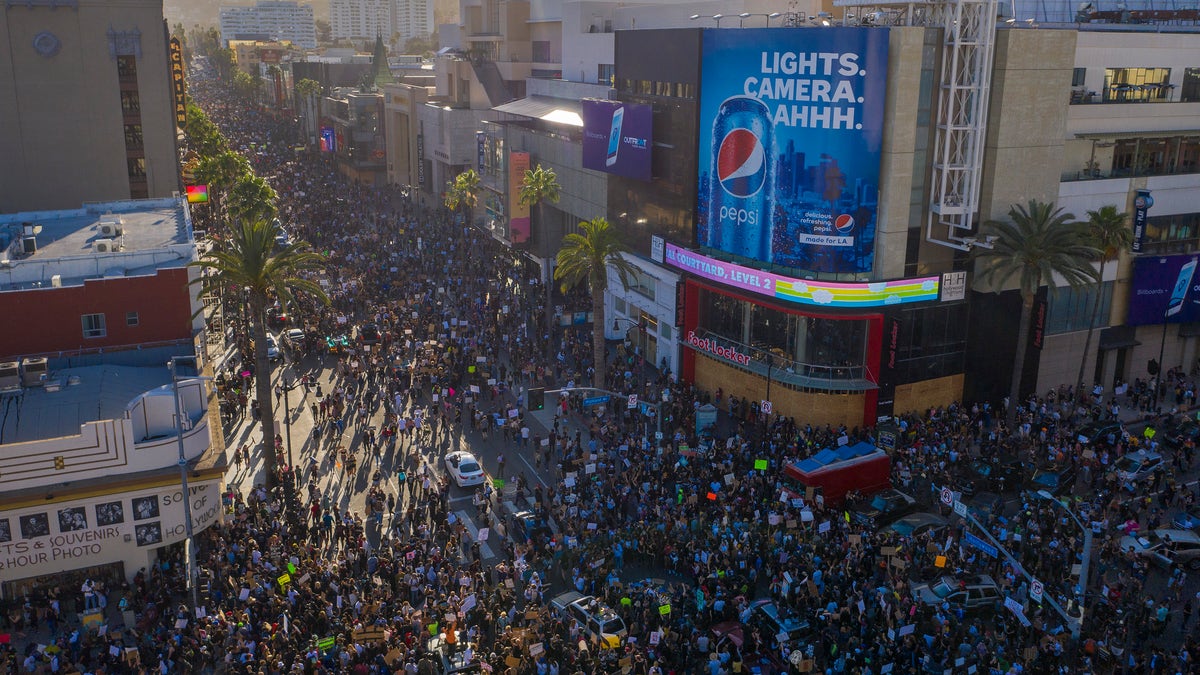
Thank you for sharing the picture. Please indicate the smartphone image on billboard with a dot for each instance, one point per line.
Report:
(1182, 284)
(614, 136)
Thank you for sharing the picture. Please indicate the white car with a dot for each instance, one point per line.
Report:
(293, 337)
(272, 348)
(465, 469)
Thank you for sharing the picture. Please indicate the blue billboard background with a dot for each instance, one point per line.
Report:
(1164, 288)
(617, 137)
(801, 189)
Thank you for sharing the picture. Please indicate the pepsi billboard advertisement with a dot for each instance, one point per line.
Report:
(616, 137)
(1164, 288)
(791, 129)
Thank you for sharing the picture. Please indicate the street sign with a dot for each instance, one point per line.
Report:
(960, 508)
(658, 435)
(971, 540)
(595, 400)
(947, 496)
(1035, 590)
(632, 402)
(765, 407)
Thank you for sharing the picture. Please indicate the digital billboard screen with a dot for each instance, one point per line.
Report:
(617, 137)
(790, 134)
(328, 140)
(1164, 288)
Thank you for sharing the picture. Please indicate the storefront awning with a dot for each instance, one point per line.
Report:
(1118, 337)
(546, 108)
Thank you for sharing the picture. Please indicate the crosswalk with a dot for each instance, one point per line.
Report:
(485, 551)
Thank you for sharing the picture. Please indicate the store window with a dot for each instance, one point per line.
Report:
(833, 342)
(1179, 233)
(722, 315)
(642, 283)
(773, 331)
(1078, 77)
(1190, 92)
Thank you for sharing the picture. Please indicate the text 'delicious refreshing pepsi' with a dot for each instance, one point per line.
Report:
(741, 190)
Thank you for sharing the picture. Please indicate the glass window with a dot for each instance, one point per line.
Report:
(604, 73)
(664, 331)
(1190, 91)
(93, 326)
(642, 283)
(1078, 77)
(722, 315)
(1136, 84)
(131, 319)
(1071, 308)
(1179, 233)
(133, 136)
(834, 342)
(137, 167)
(127, 68)
(131, 104)
(541, 51)
(772, 331)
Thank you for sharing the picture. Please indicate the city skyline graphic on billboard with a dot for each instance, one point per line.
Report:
(790, 134)
(617, 137)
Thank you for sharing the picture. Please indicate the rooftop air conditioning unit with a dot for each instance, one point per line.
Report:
(111, 229)
(34, 371)
(10, 375)
(105, 246)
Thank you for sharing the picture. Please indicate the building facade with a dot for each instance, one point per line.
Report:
(411, 19)
(86, 107)
(360, 19)
(277, 20)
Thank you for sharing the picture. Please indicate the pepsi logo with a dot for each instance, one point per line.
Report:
(844, 223)
(741, 163)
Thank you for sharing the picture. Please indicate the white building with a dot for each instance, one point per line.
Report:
(412, 18)
(270, 20)
(360, 19)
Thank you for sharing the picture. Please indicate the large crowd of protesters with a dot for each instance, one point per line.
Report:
(295, 584)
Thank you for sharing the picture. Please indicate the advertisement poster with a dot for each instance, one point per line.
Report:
(1166, 288)
(617, 138)
(518, 213)
(328, 142)
(1142, 202)
(790, 134)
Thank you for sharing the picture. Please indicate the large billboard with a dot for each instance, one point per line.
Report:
(518, 213)
(791, 127)
(616, 137)
(1165, 289)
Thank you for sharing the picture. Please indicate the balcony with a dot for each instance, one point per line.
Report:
(789, 372)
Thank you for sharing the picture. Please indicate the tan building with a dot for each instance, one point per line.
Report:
(86, 109)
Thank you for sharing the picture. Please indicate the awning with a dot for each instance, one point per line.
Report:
(546, 108)
(1118, 337)
(1132, 135)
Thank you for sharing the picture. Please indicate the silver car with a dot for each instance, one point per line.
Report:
(1166, 547)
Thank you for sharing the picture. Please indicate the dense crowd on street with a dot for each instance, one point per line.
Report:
(296, 585)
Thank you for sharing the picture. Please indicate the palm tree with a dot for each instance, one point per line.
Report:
(251, 198)
(463, 193)
(307, 90)
(1107, 231)
(586, 258)
(220, 172)
(1039, 243)
(538, 187)
(249, 261)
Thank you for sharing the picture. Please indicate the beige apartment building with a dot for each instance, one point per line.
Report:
(86, 105)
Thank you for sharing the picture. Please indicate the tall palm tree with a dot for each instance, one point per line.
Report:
(251, 198)
(586, 258)
(307, 90)
(219, 172)
(538, 187)
(1040, 242)
(463, 193)
(1107, 231)
(248, 260)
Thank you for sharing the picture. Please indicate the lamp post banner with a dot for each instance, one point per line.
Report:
(1142, 202)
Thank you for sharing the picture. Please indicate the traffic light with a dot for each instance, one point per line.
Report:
(537, 399)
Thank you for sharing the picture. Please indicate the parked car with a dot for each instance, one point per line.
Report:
(994, 476)
(1055, 479)
(368, 333)
(973, 594)
(464, 469)
(884, 508)
(730, 636)
(1166, 547)
(1105, 432)
(1187, 520)
(293, 338)
(278, 317)
(916, 524)
(1181, 433)
(599, 623)
(776, 625)
(272, 348)
(984, 505)
(524, 526)
(1136, 467)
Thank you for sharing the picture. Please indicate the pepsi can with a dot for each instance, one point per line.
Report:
(741, 190)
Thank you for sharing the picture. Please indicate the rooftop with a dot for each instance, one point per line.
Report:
(103, 239)
(86, 394)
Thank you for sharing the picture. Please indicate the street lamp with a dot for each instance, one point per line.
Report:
(746, 15)
(183, 478)
(714, 17)
(1083, 568)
